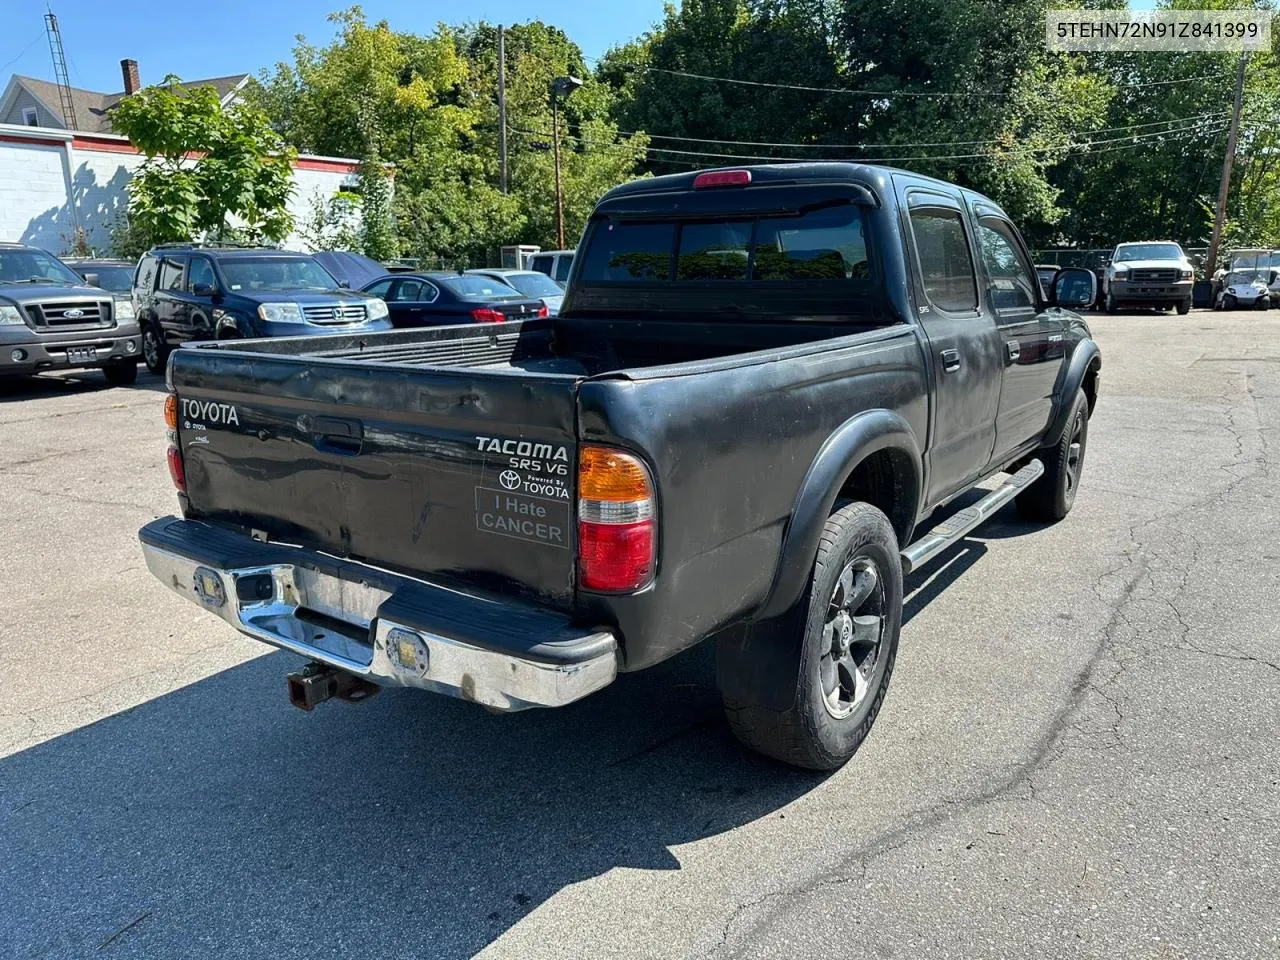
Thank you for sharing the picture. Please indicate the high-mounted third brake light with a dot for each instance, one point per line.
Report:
(617, 528)
(722, 178)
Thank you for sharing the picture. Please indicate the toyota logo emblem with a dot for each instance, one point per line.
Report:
(509, 479)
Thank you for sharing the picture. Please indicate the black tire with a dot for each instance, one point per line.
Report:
(155, 352)
(121, 374)
(1051, 497)
(822, 730)
(1184, 307)
(1110, 305)
(1264, 303)
(1229, 302)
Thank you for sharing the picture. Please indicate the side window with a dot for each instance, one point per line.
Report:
(408, 291)
(541, 264)
(946, 265)
(563, 265)
(201, 272)
(1012, 281)
(171, 274)
(145, 279)
(380, 288)
(429, 292)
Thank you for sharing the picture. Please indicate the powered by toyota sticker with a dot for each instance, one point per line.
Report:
(524, 490)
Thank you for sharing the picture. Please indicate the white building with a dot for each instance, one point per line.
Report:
(56, 177)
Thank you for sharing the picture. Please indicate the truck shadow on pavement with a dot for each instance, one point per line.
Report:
(218, 821)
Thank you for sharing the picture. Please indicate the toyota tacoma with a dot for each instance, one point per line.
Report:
(761, 384)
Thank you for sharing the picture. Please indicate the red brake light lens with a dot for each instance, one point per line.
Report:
(615, 557)
(487, 315)
(177, 471)
(722, 178)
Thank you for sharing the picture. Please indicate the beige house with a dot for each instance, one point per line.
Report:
(29, 102)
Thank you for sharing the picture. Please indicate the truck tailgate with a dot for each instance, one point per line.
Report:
(433, 472)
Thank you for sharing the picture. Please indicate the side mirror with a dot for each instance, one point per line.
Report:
(204, 289)
(91, 279)
(1074, 288)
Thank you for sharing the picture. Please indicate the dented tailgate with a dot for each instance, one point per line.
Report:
(434, 472)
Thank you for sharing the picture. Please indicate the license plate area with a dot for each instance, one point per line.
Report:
(82, 354)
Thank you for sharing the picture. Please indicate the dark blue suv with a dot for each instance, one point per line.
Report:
(197, 292)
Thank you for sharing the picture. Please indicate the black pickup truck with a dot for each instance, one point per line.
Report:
(760, 383)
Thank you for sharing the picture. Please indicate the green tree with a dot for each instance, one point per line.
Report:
(204, 164)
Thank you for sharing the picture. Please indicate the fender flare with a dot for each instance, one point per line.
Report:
(852, 442)
(1085, 356)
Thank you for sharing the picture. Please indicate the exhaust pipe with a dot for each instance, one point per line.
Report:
(318, 682)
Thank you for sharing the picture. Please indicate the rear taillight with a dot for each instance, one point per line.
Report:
(487, 315)
(543, 312)
(617, 522)
(176, 468)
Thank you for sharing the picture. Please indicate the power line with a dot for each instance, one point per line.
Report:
(983, 158)
(1136, 138)
(885, 146)
(23, 52)
(879, 93)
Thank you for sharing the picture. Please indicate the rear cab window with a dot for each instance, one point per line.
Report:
(820, 254)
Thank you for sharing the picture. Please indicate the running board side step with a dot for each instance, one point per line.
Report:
(957, 525)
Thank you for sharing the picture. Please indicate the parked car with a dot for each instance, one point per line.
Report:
(530, 283)
(441, 299)
(514, 515)
(1152, 274)
(191, 292)
(1244, 289)
(113, 275)
(556, 264)
(50, 319)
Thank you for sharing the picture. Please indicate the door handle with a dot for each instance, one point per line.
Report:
(337, 435)
(1014, 348)
(950, 360)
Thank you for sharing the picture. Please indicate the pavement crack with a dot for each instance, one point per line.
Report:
(122, 931)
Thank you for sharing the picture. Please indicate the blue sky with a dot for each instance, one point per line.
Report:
(211, 38)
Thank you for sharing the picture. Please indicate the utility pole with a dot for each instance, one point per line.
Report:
(555, 149)
(560, 87)
(502, 110)
(1224, 188)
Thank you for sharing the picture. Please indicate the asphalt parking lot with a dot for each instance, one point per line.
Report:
(1078, 756)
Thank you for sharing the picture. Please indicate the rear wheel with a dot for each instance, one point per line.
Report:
(846, 653)
(121, 374)
(1051, 497)
(155, 352)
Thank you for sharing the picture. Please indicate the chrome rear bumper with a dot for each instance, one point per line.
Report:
(388, 629)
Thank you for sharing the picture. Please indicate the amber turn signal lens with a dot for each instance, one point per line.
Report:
(171, 411)
(606, 474)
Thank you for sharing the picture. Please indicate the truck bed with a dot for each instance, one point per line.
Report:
(556, 347)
